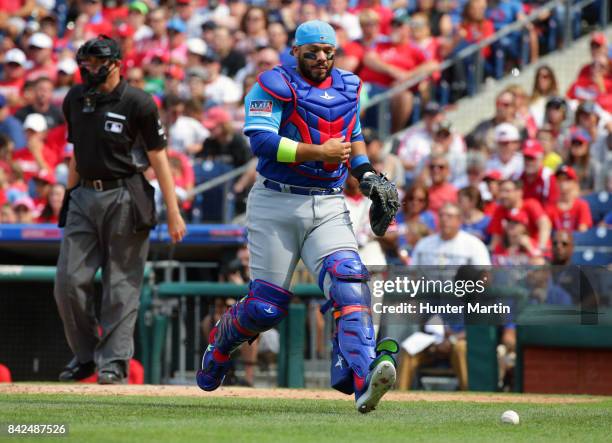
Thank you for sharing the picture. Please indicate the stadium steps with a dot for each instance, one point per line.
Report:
(469, 111)
(565, 63)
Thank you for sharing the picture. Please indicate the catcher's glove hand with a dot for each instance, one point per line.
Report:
(385, 201)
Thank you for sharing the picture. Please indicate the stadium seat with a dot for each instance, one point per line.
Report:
(599, 237)
(600, 204)
(590, 257)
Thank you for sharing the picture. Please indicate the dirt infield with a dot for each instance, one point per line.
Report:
(306, 394)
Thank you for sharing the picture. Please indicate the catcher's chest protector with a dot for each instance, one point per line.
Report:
(315, 115)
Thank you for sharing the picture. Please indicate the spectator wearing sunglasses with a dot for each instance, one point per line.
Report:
(483, 135)
(441, 190)
(544, 87)
(414, 208)
(507, 158)
(588, 170)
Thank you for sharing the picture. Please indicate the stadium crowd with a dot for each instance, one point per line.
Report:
(514, 178)
(511, 191)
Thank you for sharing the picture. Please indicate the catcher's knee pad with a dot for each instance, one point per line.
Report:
(262, 309)
(350, 295)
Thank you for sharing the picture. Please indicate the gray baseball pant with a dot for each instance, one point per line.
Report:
(99, 234)
(284, 227)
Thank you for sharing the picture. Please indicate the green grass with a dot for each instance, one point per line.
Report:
(175, 419)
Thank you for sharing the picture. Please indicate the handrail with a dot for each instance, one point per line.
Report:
(474, 48)
(219, 180)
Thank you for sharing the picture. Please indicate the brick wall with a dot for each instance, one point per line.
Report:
(567, 370)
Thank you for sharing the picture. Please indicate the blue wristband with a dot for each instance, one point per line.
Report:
(359, 160)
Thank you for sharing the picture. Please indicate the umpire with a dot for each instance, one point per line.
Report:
(108, 212)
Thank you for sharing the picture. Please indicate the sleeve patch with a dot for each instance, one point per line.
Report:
(260, 108)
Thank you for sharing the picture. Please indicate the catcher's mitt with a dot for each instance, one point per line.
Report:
(385, 201)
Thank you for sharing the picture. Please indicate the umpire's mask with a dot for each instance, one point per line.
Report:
(101, 47)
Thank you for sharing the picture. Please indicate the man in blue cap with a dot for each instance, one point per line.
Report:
(303, 125)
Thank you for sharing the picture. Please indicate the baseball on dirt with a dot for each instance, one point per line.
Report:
(510, 417)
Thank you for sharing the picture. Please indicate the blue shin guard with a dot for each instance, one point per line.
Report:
(354, 342)
(263, 308)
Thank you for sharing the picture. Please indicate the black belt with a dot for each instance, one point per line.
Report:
(301, 190)
(102, 185)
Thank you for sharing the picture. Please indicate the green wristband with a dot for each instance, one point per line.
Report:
(287, 150)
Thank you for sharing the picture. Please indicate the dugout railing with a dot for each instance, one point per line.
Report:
(539, 326)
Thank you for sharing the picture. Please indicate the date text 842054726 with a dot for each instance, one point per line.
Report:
(24, 429)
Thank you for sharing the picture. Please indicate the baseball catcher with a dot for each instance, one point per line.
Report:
(303, 125)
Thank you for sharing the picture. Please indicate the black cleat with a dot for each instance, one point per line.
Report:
(111, 375)
(110, 378)
(75, 371)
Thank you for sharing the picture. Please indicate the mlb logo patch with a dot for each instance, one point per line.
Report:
(260, 108)
(114, 127)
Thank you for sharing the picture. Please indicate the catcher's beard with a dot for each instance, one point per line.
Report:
(306, 71)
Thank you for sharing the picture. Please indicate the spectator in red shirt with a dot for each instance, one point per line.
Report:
(492, 179)
(599, 47)
(596, 87)
(440, 191)
(390, 63)
(130, 57)
(539, 182)
(510, 202)
(43, 182)
(431, 46)
(474, 26)
(13, 76)
(434, 48)
(37, 155)
(40, 52)
(94, 21)
(570, 213)
(16, 8)
(158, 40)
(51, 210)
(516, 247)
(385, 14)
(354, 51)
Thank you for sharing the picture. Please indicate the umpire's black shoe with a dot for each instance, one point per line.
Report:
(111, 375)
(75, 371)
